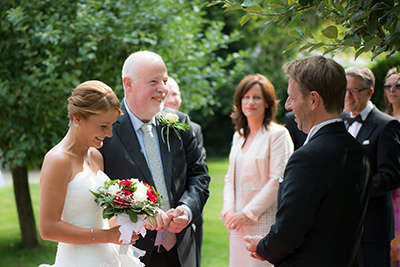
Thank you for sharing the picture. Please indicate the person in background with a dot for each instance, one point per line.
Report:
(392, 101)
(259, 153)
(68, 213)
(173, 164)
(324, 192)
(174, 101)
(379, 135)
(298, 136)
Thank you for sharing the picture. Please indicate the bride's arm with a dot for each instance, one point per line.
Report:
(54, 178)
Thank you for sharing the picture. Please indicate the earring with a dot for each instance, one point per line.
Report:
(76, 125)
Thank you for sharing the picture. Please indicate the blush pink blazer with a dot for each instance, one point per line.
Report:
(263, 164)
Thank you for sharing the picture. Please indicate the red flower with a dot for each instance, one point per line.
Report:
(125, 182)
(151, 195)
(122, 203)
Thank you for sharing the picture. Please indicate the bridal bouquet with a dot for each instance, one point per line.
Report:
(132, 201)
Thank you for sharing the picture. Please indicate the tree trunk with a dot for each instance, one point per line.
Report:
(24, 206)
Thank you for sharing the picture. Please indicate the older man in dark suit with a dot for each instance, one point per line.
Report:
(379, 134)
(323, 194)
(173, 164)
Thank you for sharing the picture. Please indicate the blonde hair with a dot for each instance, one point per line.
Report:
(92, 98)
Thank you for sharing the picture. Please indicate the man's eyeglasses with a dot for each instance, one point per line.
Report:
(355, 91)
(391, 87)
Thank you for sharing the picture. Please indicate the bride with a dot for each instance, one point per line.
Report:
(68, 213)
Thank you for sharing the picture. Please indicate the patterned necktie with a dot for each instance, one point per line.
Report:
(169, 239)
(356, 118)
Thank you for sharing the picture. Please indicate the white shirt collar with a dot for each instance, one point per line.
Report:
(136, 122)
(364, 113)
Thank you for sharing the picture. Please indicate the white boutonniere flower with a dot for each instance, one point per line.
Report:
(171, 121)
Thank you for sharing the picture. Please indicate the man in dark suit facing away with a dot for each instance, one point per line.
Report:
(379, 135)
(140, 148)
(323, 195)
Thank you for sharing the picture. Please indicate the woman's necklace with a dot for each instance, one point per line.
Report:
(85, 158)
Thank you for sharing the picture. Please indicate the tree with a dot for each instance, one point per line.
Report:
(365, 26)
(48, 47)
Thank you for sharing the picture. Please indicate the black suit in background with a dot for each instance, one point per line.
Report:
(198, 234)
(185, 173)
(379, 136)
(298, 136)
(322, 201)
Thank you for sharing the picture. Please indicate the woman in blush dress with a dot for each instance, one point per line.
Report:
(68, 213)
(392, 100)
(259, 153)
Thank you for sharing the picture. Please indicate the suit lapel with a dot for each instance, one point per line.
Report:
(368, 126)
(129, 139)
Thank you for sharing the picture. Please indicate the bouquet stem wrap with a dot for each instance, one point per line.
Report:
(127, 228)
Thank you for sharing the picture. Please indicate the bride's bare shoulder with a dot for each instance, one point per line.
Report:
(56, 163)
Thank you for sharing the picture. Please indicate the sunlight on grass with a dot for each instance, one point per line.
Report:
(215, 250)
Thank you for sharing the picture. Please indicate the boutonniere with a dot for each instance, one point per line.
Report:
(171, 121)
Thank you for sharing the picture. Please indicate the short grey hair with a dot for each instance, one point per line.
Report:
(130, 67)
(364, 73)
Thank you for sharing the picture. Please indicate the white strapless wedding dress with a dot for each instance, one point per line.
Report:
(81, 210)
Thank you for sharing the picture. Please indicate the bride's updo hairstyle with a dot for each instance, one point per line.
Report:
(92, 98)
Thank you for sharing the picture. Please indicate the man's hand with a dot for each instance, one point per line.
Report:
(252, 242)
(161, 220)
(179, 219)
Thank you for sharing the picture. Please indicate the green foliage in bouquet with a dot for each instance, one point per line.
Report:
(130, 196)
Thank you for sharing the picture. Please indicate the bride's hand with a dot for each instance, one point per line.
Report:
(115, 234)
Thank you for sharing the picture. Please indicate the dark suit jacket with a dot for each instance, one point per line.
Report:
(298, 136)
(379, 136)
(185, 174)
(322, 201)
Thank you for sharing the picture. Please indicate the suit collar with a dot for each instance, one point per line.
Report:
(124, 129)
(128, 136)
(368, 126)
(335, 127)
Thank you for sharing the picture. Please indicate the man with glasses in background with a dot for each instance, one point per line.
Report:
(379, 134)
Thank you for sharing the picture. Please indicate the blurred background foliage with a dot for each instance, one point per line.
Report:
(48, 47)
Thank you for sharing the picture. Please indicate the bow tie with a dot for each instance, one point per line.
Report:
(356, 118)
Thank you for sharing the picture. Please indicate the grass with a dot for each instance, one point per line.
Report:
(215, 250)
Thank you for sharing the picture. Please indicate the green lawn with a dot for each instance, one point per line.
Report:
(215, 250)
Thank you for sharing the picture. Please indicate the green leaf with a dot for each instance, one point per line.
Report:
(213, 3)
(245, 19)
(373, 42)
(308, 33)
(297, 33)
(233, 7)
(133, 216)
(316, 46)
(254, 8)
(330, 32)
(248, 3)
(304, 47)
(275, 6)
(360, 15)
(359, 52)
(327, 51)
(291, 45)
